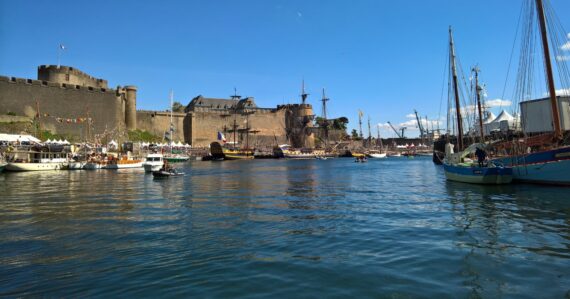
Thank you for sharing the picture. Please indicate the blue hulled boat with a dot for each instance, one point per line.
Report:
(459, 170)
(545, 167)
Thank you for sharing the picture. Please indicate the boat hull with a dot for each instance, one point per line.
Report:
(547, 167)
(152, 167)
(478, 175)
(124, 165)
(35, 166)
(3, 166)
(377, 156)
(176, 159)
(76, 165)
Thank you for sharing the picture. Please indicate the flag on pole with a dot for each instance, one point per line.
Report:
(221, 137)
(61, 46)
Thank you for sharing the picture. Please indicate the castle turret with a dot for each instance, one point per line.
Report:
(68, 75)
(131, 107)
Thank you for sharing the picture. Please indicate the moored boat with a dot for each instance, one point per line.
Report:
(153, 162)
(36, 161)
(3, 166)
(124, 162)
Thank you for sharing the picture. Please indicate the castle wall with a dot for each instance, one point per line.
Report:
(158, 123)
(68, 75)
(64, 101)
(205, 124)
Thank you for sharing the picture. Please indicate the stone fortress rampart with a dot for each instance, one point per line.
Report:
(67, 98)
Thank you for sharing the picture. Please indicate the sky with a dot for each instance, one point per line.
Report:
(383, 57)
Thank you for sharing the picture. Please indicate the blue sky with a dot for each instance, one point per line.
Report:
(385, 58)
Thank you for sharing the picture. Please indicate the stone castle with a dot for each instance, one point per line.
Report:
(72, 103)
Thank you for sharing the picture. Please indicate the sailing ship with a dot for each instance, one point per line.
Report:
(545, 157)
(172, 156)
(374, 153)
(456, 166)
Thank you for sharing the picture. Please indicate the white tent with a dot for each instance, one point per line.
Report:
(187, 145)
(66, 142)
(15, 138)
(113, 143)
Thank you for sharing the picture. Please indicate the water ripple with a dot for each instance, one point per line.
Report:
(303, 229)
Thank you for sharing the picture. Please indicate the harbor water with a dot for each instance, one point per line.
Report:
(281, 228)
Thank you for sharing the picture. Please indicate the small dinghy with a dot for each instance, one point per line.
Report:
(166, 173)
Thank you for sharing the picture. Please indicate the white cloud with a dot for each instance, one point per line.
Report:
(412, 124)
(563, 92)
(411, 115)
(498, 103)
(562, 58)
(566, 46)
(568, 35)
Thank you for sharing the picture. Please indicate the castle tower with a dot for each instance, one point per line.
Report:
(131, 107)
(68, 75)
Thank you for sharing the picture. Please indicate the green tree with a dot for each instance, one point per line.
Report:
(354, 134)
(177, 107)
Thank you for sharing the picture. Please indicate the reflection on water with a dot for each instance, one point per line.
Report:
(386, 228)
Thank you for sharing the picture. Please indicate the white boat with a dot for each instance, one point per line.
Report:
(397, 154)
(76, 165)
(153, 162)
(94, 165)
(37, 161)
(375, 155)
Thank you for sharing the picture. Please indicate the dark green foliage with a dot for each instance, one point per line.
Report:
(143, 136)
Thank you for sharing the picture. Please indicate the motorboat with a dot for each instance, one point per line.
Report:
(153, 162)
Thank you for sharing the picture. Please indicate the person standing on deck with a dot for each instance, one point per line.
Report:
(481, 155)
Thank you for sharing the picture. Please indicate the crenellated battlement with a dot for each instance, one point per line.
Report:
(69, 75)
(16, 80)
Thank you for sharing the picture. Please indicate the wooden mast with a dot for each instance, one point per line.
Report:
(548, 68)
(456, 92)
(476, 70)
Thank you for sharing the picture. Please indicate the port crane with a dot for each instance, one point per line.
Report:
(420, 126)
(397, 133)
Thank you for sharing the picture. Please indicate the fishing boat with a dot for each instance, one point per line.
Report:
(36, 160)
(456, 166)
(459, 168)
(542, 155)
(153, 162)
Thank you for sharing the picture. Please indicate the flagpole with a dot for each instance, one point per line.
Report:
(58, 55)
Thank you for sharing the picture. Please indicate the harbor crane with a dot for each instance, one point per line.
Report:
(397, 133)
(422, 131)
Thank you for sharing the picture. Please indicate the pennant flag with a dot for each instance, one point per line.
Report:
(221, 137)
(61, 46)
